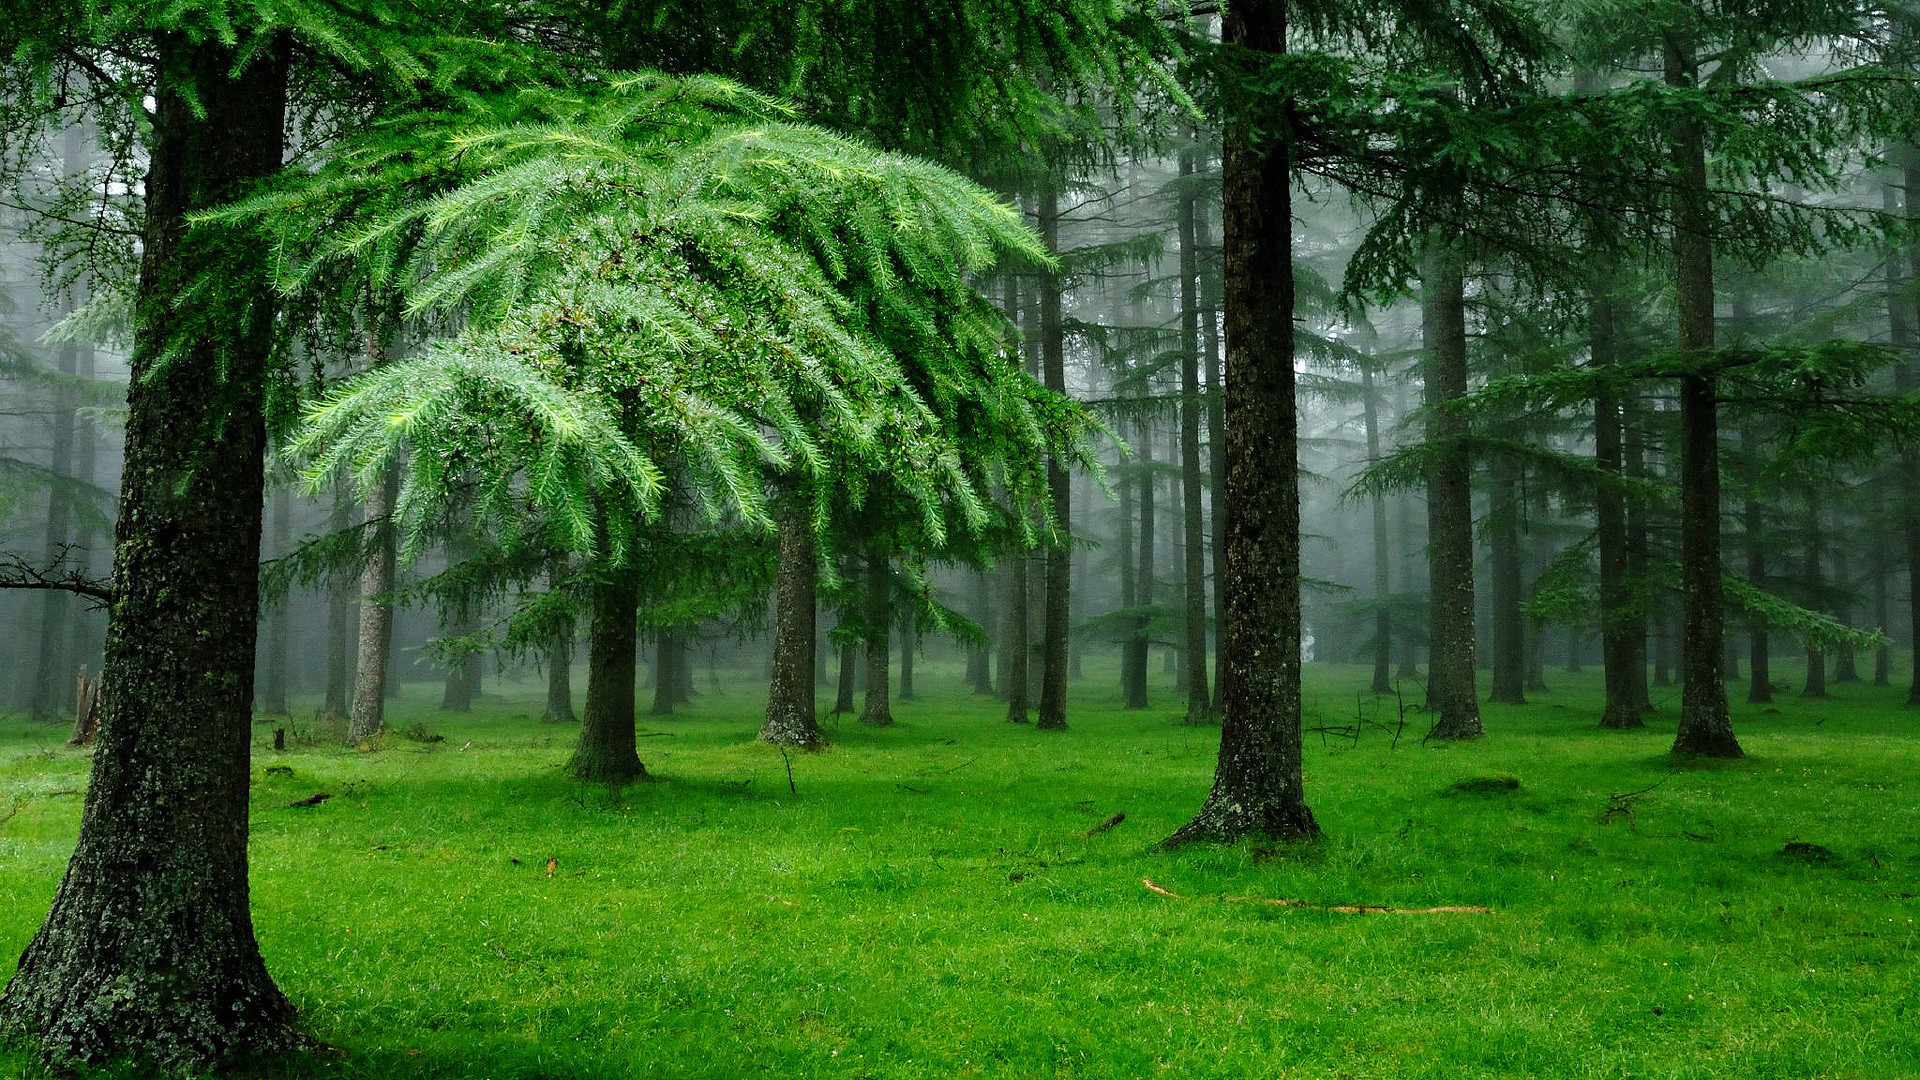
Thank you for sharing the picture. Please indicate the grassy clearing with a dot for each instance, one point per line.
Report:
(927, 902)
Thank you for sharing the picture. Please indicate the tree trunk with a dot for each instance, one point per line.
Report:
(878, 710)
(1902, 264)
(1059, 564)
(1752, 522)
(273, 659)
(1216, 445)
(1621, 621)
(909, 645)
(791, 719)
(844, 680)
(1194, 548)
(559, 708)
(979, 657)
(149, 951)
(666, 669)
(1705, 727)
(333, 705)
(608, 751)
(369, 711)
(1633, 457)
(1139, 648)
(1452, 693)
(1845, 670)
(1257, 785)
(53, 671)
(1018, 652)
(1382, 557)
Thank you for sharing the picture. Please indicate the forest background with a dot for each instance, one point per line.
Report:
(1439, 338)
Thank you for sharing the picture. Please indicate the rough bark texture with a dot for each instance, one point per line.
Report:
(1705, 727)
(878, 709)
(149, 948)
(1194, 547)
(1452, 692)
(607, 751)
(1257, 786)
(368, 716)
(1056, 612)
(791, 713)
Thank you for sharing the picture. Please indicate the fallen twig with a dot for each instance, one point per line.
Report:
(1116, 819)
(312, 800)
(1337, 909)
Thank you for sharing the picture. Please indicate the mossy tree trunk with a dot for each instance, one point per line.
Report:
(149, 948)
(608, 751)
(791, 718)
(1257, 785)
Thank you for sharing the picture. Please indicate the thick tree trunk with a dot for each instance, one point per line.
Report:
(843, 683)
(791, 718)
(1059, 564)
(1194, 547)
(368, 716)
(1257, 786)
(1705, 727)
(666, 669)
(608, 751)
(1452, 692)
(149, 950)
(1506, 571)
(1129, 587)
(878, 710)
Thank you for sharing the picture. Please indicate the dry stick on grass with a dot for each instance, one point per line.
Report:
(1337, 909)
(1105, 825)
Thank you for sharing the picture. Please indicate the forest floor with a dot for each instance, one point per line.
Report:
(938, 899)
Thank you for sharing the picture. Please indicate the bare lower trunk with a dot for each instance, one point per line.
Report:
(333, 704)
(1056, 613)
(608, 751)
(1194, 546)
(1452, 693)
(791, 719)
(369, 713)
(148, 951)
(1382, 558)
(1504, 567)
(879, 618)
(1705, 727)
(1257, 785)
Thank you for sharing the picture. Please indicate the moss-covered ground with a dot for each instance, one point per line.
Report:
(933, 899)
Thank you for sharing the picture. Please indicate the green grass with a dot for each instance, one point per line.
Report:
(926, 904)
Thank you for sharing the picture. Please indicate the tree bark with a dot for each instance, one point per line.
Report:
(909, 645)
(368, 716)
(791, 713)
(1816, 676)
(1257, 785)
(1382, 557)
(1059, 560)
(1705, 727)
(878, 710)
(608, 751)
(1018, 653)
(1620, 615)
(1452, 692)
(1139, 648)
(333, 704)
(1194, 548)
(149, 950)
(980, 656)
(666, 668)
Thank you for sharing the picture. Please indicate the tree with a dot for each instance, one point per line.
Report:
(149, 946)
(1257, 784)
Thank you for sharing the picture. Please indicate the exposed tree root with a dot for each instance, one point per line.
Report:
(1337, 909)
